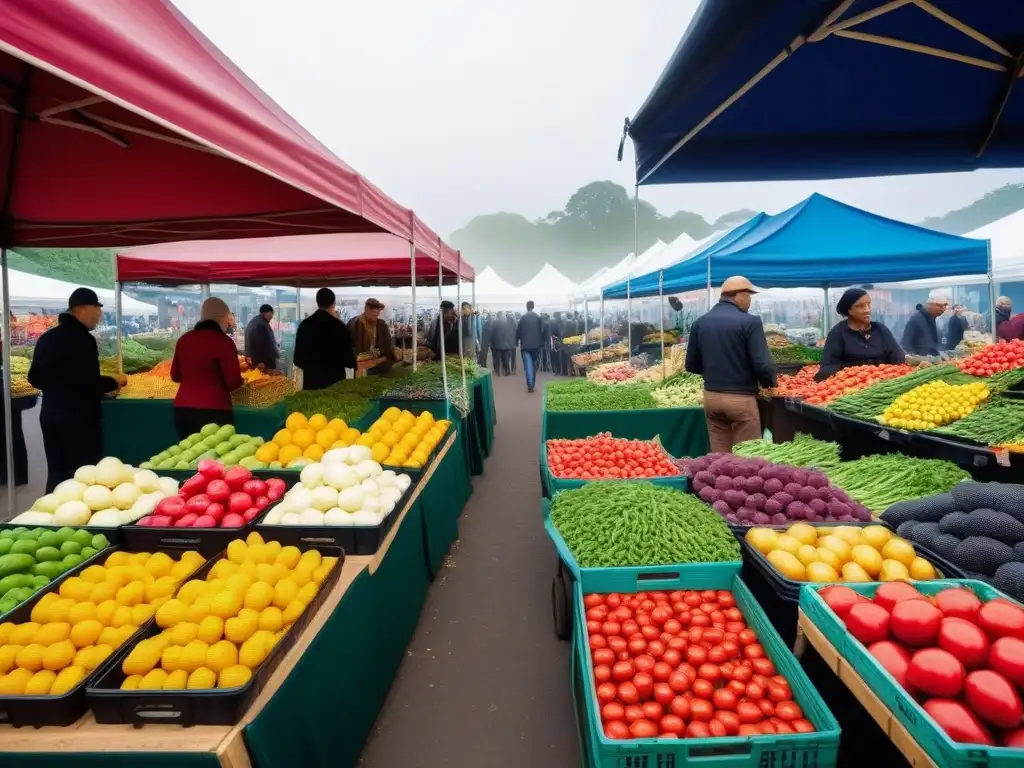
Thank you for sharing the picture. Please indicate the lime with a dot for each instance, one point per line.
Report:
(40, 581)
(7, 605)
(208, 430)
(5, 546)
(26, 535)
(70, 561)
(99, 541)
(70, 547)
(226, 431)
(82, 537)
(50, 569)
(24, 547)
(223, 447)
(65, 533)
(47, 554)
(7, 533)
(16, 533)
(87, 552)
(237, 440)
(49, 539)
(181, 465)
(173, 451)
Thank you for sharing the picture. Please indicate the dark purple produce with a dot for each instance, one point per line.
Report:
(825, 494)
(799, 476)
(754, 484)
(779, 519)
(818, 507)
(756, 501)
(772, 486)
(793, 489)
(807, 494)
(797, 510)
(746, 513)
(721, 508)
(762, 519)
(734, 499)
(773, 507)
(708, 494)
(704, 477)
(817, 480)
(783, 498)
(732, 519)
(766, 472)
(723, 483)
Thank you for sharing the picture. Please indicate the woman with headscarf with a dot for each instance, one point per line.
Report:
(205, 365)
(857, 340)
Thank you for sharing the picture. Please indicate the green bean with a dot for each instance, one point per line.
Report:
(583, 395)
(803, 451)
(880, 481)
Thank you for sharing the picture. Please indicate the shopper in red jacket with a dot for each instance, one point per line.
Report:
(206, 366)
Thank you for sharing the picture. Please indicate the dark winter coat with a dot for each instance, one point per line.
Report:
(727, 347)
(921, 336)
(260, 344)
(323, 350)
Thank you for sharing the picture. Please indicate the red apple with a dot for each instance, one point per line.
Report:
(186, 521)
(250, 514)
(159, 521)
(276, 483)
(236, 477)
(261, 502)
(239, 502)
(211, 469)
(255, 487)
(198, 504)
(274, 494)
(215, 510)
(145, 522)
(218, 490)
(232, 521)
(192, 486)
(204, 521)
(172, 506)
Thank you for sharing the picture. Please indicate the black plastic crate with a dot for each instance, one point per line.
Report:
(208, 541)
(111, 705)
(34, 598)
(354, 540)
(67, 709)
(290, 476)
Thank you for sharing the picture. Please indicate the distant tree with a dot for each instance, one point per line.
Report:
(991, 207)
(93, 267)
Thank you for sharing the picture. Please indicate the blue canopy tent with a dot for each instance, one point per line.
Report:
(817, 89)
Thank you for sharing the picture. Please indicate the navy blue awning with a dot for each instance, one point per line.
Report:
(836, 88)
(819, 242)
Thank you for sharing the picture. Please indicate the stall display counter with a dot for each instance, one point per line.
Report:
(683, 431)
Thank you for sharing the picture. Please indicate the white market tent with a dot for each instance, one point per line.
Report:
(33, 292)
(548, 288)
(591, 287)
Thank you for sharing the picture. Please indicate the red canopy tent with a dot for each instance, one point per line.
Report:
(310, 260)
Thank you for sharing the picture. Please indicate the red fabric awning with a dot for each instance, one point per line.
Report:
(122, 124)
(311, 260)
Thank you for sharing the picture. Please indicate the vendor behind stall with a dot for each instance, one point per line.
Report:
(921, 336)
(323, 346)
(372, 337)
(451, 325)
(856, 340)
(206, 366)
(260, 344)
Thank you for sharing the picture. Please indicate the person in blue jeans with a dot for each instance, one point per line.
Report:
(530, 335)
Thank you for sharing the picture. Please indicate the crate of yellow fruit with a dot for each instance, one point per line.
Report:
(213, 646)
(305, 439)
(400, 439)
(54, 646)
(777, 563)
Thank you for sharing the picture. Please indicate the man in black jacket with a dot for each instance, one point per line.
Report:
(956, 327)
(260, 344)
(727, 347)
(530, 336)
(921, 336)
(323, 345)
(66, 369)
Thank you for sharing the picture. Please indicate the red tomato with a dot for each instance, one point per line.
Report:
(741, 673)
(699, 620)
(753, 651)
(713, 635)
(717, 729)
(701, 709)
(613, 711)
(696, 655)
(767, 707)
(710, 672)
(698, 730)
(626, 691)
(656, 648)
(633, 713)
(747, 637)
(593, 599)
(643, 729)
(602, 673)
(1015, 739)
(723, 698)
(630, 628)
(618, 644)
(673, 627)
(915, 622)
(779, 692)
(717, 654)
(679, 681)
(677, 644)
(1007, 658)
(730, 720)
(644, 685)
(1001, 618)
(965, 640)
(598, 641)
(993, 698)
(606, 692)
(755, 691)
(959, 723)
(892, 592)
(781, 726)
(662, 671)
(748, 712)
(593, 627)
(703, 689)
(895, 659)
(663, 693)
(746, 729)
(788, 711)
(672, 657)
(763, 666)
(869, 622)
(653, 710)
(616, 729)
(958, 603)
(840, 599)
(680, 706)
(936, 672)
(644, 663)
(671, 724)
(802, 726)
(622, 670)
(604, 656)
(611, 628)
(599, 613)
(738, 688)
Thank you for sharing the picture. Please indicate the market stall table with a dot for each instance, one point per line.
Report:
(683, 431)
(337, 675)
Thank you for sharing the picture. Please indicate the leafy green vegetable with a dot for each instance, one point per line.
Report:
(612, 524)
(999, 421)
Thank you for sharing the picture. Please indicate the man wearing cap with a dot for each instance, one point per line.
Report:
(371, 336)
(66, 369)
(323, 345)
(921, 336)
(260, 344)
(727, 347)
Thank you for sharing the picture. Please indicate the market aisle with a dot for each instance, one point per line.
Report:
(485, 682)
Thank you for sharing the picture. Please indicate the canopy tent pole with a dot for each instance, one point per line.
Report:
(708, 257)
(458, 304)
(412, 273)
(117, 314)
(661, 316)
(478, 323)
(824, 316)
(601, 340)
(991, 293)
(585, 318)
(636, 253)
(440, 328)
(12, 498)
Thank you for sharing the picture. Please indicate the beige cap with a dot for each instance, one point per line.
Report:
(737, 284)
(214, 309)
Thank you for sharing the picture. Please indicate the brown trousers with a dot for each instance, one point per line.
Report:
(731, 419)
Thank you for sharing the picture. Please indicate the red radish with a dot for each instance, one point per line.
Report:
(211, 469)
(204, 521)
(146, 521)
(238, 502)
(186, 521)
(218, 490)
(274, 494)
(232, 521)
(198, 504)
(236, 477)
(172, 506)
(276, 483)
(255, 487)
(250, 514)
(262, 502)
(215, 510)
(192, 486)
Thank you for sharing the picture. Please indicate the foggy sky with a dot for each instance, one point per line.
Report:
(461, 107)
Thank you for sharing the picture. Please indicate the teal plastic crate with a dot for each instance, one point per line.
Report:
(553, 485)
(919, 724)
(819, 749)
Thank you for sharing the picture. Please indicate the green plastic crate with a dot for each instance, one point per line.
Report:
(553, 485)
(919, 724)
(818, 750)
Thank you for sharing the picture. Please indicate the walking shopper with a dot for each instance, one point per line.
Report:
(727, 347)
(66, 369)
(530, 337)
(504, 342)
(260, 344)
(323, 345)
(486, 340)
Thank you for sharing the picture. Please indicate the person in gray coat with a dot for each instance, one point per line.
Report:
(529, 334)
(486, 338)
(503, 341)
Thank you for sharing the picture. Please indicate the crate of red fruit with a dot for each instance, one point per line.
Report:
(749, 491)
(212, 507)
(994, 358)
(945, 657)
(680, 665)
(572, 463)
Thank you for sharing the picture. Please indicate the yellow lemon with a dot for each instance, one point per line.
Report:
(253, 652)
(40, 611)
(39, 684)
(141, 659)
(22, 634)
(162, 587)
(367, 440)
(893, 570)
(82, 612)
(236, 551)
(289, 454)
(130, 683)
(94, 574)
(193, 656)
(170, 659)
(221, 655)
(153, 680)
(109, 636)
(14, 682)
(261, 594)
(285, 591)
(288, 556)
(821, 572)
(159, 564)
(31, 657)
(234, 676)
(853, 572)
(102, 593)
(319, 574)
(803, 532)
(379, 452)
(210, 629)
(76, 589)
(325, 438)
(273, 550)
(807, 554)
(899, 550)
(90, 658)
(314, 452)
(86, 633)
(303, 438)
(875, 535)
(271, 619)
(867, 557)
(762, 539)
(419, 457)
(837, 545)
(201, 679)
(139, 558)
(302, 575)
(267, 452)
(922, 570)
(170, 613)
(317, 422)
(266, 574)
(199, 609)
(312, 557)
(295, 421)
(254, 537)
(848, 533)
(117, 558)
(337, 426)
(308, 592)
(184, 632)
(8, 654)
(176, 681)
(292, 612)
(131, 594)
(51, 633)
(67, 679)
(239, 629)
(60, 609)
(787, 564)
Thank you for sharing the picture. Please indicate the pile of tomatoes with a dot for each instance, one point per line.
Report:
(684, 664)
(995, 358)
(605, 457)
(962, 659)
(844, 382)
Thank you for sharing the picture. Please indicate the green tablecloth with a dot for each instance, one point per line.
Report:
(135, 430)
(683, 431)
(442, 501)
(485, 416)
